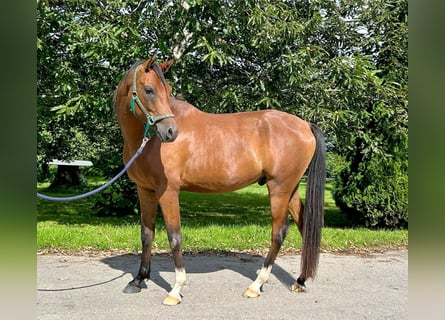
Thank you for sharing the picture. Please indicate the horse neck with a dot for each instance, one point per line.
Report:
(181, 108)
(132, 129)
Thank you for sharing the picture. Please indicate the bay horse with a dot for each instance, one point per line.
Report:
(201, 152)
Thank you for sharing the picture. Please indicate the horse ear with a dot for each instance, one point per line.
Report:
(165, 66)
(147, 64)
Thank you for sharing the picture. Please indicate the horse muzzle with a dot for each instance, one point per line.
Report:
(167, 130)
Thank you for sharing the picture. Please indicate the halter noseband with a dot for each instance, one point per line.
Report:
(150, 119)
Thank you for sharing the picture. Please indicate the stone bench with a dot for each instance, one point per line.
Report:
(68, 172)
(78, 163)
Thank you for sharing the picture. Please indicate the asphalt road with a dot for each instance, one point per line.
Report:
(346, 287)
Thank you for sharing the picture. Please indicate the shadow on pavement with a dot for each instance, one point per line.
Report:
(246, 265)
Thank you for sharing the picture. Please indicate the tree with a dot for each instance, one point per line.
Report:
(83, 48)
(373, 188)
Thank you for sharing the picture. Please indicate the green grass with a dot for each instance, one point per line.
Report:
(233, 221)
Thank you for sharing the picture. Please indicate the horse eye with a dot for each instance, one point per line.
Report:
(149, 90)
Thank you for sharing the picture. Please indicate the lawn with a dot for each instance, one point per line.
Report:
(236, 221)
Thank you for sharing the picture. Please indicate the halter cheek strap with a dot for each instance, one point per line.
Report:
(151, 120)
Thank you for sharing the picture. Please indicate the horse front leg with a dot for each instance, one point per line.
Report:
(149, 204)
(169, 203)
(280, 226)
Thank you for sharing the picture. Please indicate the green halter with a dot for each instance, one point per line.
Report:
(150, 119)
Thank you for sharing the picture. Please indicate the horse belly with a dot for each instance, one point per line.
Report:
(217, 185)
(221, 174)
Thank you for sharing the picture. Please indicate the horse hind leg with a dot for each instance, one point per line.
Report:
(279, 206)
(296, 210)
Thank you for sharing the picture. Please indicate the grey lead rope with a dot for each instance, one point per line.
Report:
(90, 193)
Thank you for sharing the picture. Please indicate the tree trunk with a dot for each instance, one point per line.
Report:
(68, 176)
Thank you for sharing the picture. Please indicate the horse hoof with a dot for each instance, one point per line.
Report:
(249, 293)
(297, 287)
(131, 289)
(171, 301)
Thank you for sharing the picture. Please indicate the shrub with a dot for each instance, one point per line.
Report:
(375, 192)
(119, 200)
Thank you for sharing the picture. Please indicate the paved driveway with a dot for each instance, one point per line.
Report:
(347, 287)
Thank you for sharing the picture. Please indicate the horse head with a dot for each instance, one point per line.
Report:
(151, 99)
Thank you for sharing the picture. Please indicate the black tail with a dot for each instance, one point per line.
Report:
(313, 215)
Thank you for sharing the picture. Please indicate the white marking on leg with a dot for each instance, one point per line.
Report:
(262, 278)
(180, 282)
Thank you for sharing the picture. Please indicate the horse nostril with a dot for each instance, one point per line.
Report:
(171, 134)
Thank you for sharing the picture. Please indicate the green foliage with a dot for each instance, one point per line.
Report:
(340, 64)
(373, 188)
(82, 50)
(376, 194)
(120, 200)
